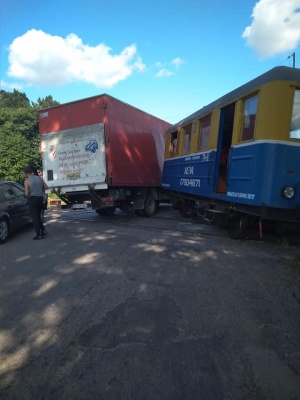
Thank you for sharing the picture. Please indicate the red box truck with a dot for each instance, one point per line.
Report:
(103, 150)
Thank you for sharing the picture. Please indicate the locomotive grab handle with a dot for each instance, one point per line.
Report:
(227, 166)
(209, 169)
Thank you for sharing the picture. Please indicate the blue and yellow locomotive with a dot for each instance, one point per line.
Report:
(237, 160)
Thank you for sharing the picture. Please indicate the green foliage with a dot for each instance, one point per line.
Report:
(19, 120)
(53, 196)
(13, 99)
(16, 152)
(19, 135)
(45, 103)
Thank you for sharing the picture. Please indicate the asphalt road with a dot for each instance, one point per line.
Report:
(134, 308)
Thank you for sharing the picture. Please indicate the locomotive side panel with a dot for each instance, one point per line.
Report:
(191, 175)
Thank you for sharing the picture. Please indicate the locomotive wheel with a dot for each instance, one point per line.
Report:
(186, 208)
(150, 206)
(184, 211)
(221, 221)
(238, 226)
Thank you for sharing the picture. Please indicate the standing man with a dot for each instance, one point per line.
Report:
(34, 191)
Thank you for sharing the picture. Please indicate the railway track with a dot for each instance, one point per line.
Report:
(164, 220)
(167, 219)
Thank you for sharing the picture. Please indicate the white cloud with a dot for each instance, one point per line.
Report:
(275, 27)
(163, 73)
(177, 61)
(43, 59)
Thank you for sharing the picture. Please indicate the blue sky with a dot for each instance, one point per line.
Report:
(168, 58)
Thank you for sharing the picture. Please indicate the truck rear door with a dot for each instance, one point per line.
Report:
(75, 158)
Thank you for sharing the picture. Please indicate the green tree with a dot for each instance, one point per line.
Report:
(45, 103)
(19, 134)
(15, 153)
(13, 99)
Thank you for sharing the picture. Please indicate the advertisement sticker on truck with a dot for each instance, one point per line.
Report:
(77, 155)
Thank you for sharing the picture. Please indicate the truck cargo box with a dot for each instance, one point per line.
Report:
(101, 141)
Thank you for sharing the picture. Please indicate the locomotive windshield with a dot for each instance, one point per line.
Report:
(295, 124)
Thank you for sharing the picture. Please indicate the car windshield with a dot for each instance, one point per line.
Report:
(7, 192)
(18, 189)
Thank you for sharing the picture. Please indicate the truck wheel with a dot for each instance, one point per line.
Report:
(4, 230)
(100, 211)
(106, 211)
(150, 206)
(110, 210)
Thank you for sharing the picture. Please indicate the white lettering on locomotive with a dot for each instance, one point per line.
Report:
(190, 182)
(248, 196)
(188, 171)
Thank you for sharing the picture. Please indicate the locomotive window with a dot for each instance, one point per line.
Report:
(295, 124)
(174, 143)
(250, 107)
(204, 132)
(187, 138)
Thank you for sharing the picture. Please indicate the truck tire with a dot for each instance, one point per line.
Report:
(150, 206)
(110, 210)
(106, 211)
(100, 211)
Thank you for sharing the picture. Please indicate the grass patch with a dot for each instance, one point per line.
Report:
(53, 196)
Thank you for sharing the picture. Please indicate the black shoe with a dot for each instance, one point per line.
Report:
(44, 233)
(37, 237)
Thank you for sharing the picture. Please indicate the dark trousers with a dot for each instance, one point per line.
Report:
(36, 207)
(45, 204)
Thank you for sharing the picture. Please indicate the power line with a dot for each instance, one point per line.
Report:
(294, 60)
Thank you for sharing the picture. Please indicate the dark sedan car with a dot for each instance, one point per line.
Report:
(14, 210)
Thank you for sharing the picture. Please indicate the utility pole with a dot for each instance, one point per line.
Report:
(294, 59)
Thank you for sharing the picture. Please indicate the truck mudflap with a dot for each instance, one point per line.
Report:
(99, 202)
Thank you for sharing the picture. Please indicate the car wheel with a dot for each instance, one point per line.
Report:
(4, 229)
